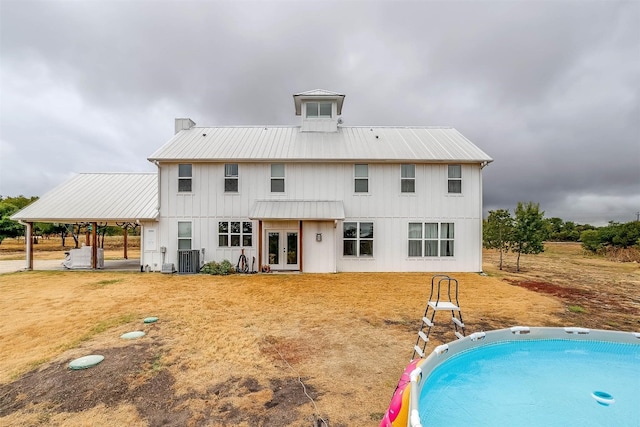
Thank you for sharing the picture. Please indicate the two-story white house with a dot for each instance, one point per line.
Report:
(318, 197)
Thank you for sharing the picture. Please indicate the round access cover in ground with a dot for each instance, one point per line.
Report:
(150, 320)
(86, 362)
(132, 335)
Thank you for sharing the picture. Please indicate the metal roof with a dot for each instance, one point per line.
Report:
(317, 94)
(348, 144)
(97, 197)
(297, 209)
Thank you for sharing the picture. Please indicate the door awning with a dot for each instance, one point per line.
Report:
(297, 210)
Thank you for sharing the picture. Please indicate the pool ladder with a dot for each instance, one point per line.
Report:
(438, 283)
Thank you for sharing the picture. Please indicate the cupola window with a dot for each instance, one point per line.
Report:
(319, 109)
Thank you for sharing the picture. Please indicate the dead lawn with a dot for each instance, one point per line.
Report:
(229, 350)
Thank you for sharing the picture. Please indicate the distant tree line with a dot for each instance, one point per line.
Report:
(613, 235)
(12, 229)
(527, 230)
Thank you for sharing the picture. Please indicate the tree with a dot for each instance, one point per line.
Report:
(497, 232)
(9, 206)
(528, 230)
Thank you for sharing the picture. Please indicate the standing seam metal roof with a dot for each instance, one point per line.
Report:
(371, 144)
(97, 197)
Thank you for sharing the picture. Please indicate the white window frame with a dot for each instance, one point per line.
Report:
(185, 176)
(358, 177)
(360, 242)
(235, 233)
(442, 240)
(229, 177)
(314, 110)
(182, 237)
(408, 177)
(276, 178)
(454, 179)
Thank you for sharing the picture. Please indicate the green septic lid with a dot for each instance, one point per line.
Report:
(150, 320)
(86, 362)
(132, 335)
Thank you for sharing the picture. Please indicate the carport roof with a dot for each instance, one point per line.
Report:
(97, 197)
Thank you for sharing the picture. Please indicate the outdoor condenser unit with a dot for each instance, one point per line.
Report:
(188, 261)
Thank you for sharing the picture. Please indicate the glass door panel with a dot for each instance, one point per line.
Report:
(274, 247)
(292, 248)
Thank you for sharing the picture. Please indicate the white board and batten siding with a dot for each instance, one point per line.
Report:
(385, 205)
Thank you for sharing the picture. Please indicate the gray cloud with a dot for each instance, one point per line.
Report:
(549, 89)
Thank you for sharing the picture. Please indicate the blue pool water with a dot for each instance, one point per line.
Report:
(535, 383)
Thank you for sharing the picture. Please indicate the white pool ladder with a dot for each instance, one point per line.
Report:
(449, 303)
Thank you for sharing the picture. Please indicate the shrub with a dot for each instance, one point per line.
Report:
(217, 269)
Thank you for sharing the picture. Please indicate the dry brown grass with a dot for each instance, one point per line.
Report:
(225, 341)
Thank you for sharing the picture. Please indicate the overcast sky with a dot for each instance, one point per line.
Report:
(550, 90)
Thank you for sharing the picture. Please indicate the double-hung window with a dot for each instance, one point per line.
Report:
(358, 239)
(408, 178)
(319, 109)
(235, 233)
(184, 235)
(231, 178)
(277, 178)
(184, 177)
(361, 178)
(454, 181)
(431, 239)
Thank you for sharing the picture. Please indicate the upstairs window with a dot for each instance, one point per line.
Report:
(361, 178)
(184, 235)
(357, 239)
(184, 178)
(231, 178)
(319, 109)
(235, 233)
(454, 183)
(277, 178)
(408, 178)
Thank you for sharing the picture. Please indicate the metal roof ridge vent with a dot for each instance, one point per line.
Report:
(183, 124)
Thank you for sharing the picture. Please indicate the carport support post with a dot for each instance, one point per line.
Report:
(94, 245)
(29, 241)
(126, 233)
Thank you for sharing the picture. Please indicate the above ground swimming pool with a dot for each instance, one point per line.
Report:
(524, 377)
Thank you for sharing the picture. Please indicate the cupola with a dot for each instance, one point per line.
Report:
(319, 109)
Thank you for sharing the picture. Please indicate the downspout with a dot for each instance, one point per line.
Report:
(143, 260)
(482, 166)
(155, 162)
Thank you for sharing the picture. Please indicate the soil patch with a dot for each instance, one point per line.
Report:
(132, 375)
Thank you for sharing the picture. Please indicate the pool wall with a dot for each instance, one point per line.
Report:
(442, 353)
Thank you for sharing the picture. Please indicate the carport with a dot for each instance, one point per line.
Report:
(93, 198)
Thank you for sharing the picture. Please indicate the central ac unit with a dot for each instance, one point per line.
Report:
(188, 261)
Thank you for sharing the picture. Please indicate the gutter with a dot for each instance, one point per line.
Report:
(155, 162)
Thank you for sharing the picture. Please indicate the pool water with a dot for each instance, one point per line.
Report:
(535, 383)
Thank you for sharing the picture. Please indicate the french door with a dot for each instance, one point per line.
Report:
(282, 250)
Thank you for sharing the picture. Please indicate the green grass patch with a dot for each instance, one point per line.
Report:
(108, 282)
(577, 309)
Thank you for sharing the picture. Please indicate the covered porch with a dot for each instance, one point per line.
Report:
(298, 235)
